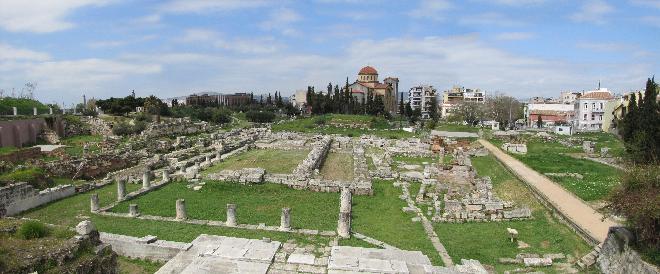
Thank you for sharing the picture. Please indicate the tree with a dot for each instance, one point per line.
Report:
(469, 112)
(504, 109)
(641, 124)
(539, 121)
(433, 109)
(402, 107)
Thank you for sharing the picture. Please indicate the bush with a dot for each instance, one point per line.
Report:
(320, 120)
(33, 230)
(260, 116)
(143, 117)
(638, 199)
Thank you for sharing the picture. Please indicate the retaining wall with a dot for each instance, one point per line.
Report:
(148, 247)
(20, 197)
(617, 255)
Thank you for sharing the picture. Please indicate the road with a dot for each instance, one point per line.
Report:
(570, 205)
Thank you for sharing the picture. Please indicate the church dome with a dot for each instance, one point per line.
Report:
(368, 70)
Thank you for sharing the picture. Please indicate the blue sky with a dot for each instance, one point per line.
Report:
(170, 48)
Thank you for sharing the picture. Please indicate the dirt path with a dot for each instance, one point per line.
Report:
(570, 205)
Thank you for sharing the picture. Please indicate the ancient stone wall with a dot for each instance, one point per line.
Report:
(617, 255)
(314, 158)
(515, 148)
(92, 166)
(20, 132)
(146, 248)
(19, 197)
(97, 126)
(181, 126)
(22, 155)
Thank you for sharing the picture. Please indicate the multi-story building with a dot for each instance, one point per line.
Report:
(569, 97)
(367, 81)
(420, 97)
(458, 94)
(590, 109)
(551, 114)
(217, 99)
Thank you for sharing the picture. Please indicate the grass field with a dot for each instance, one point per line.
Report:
(489, 241)
(272, 160)
(75, 144)
(137, 266)
(332, 124)
(380, 217)
(553, 157)
(68, 211)
(338, 166)
(255, 204)
(456, 127)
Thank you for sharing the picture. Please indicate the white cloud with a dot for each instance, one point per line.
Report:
(490, 19)
(517, 2)
(281, 20)
(650, 3)
(593, 11)
(7, 52)
(148, 19)
(605, 46)
(514, 36)
(252, 45)
(41, 16)
(203, 6)
(431, 9)
(653, 21)
(119, 43)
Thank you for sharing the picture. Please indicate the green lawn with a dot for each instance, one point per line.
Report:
(137, 266)
(7, 150)
(333, 125)
(272, 160)
(338, 166)
(608, 140)
(489, 241)
(75, 144)
(444, 126)
(67, 211)
(380, 217)
(255, 204)
(552, 157)
(70, 211)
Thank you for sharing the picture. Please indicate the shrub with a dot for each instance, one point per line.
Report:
(32, 230)
(638, 199)
(144, 117)
(122, 129)
(260, 116)
(321, 120)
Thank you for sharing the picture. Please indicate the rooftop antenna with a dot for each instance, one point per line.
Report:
(598, 84)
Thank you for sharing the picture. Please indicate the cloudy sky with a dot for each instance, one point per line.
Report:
(168, 48)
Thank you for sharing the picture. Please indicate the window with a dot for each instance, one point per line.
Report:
(601, 105)
(585, 117)
(600, 117)
(593, 117)
(585, 106)
(593, 105)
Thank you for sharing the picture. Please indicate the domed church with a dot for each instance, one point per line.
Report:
(367, 80)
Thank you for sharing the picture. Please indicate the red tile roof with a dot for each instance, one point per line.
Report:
(368, 70)
(597, 95)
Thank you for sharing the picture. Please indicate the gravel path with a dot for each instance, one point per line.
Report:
(570, 205)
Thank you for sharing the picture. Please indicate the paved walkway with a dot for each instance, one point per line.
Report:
(570, 205)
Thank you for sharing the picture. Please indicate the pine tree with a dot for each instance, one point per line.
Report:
(269, 100)
(539, 122)
(409, 110)
(402, 108)
(642, 127)
(433, 109)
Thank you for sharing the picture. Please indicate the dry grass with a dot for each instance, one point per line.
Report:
(338, 166)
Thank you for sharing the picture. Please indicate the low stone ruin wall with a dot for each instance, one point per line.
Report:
(515, 148)
(146, 248)
(243, 176)
(92, 166)
(22, 155)
(314, 158)
(97, 126)
(179, 126)
(617, 255)
(19, 197)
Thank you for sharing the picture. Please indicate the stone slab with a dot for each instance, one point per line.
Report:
(301, 259)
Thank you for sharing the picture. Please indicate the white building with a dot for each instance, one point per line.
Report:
(420, 97)
(458, 94)
(299, 99)
(590, 109)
